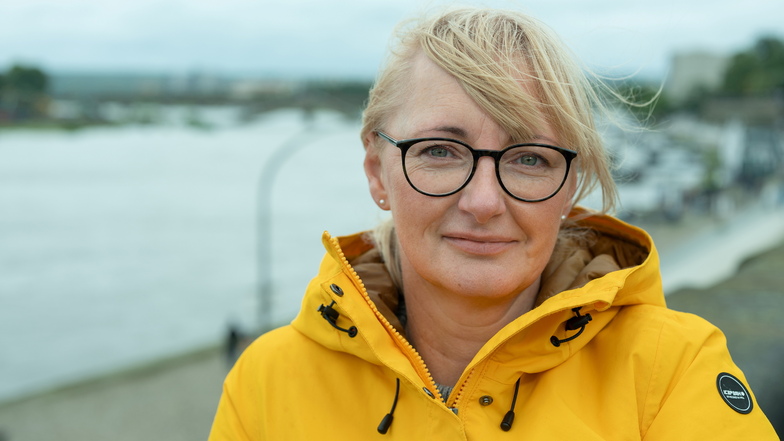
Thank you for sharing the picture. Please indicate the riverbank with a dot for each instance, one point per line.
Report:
(173, 399)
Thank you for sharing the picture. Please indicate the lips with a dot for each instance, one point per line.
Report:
(480, 245)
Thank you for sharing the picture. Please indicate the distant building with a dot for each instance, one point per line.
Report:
(251, 88)
(749, 155)
(693, 71)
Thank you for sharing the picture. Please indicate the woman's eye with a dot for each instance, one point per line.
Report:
(439, 152)
(529, 160)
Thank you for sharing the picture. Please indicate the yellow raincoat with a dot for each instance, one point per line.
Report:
(634, 371)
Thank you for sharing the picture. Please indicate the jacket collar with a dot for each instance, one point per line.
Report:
(611, 266)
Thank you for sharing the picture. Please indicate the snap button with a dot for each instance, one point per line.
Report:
(336, 289)
(486, 400)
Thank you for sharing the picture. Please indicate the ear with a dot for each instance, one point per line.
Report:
(374, 173)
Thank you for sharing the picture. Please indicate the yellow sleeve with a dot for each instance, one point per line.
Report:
(697, 392)
(235, 419)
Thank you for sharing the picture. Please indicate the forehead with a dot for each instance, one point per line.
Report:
(435, 98)
(433, 94)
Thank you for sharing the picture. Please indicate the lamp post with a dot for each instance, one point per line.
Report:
(264, 240)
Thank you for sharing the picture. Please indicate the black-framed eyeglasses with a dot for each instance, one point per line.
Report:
(529, 172)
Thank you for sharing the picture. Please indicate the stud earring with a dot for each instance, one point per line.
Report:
(381, 202)
(563, 217)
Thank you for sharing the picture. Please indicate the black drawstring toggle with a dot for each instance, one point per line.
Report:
(331, 316)
(577, 322)
(506, 424)
(387, 421)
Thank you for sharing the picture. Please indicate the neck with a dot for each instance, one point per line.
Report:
(449, 330)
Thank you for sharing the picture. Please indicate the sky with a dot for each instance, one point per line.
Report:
(349, 38)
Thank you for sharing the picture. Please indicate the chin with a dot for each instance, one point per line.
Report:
(486, 284)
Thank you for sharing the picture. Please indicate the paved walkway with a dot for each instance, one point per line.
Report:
(172, 400)
(700, 252)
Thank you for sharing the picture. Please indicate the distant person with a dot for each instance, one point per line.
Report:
(233, 340)
(489, 306)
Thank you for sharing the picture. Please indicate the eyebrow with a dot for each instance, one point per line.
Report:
(461, 133)
(545, 138)
(453, 130)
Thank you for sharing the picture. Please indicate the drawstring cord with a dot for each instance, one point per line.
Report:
(506, 423)
(331, 316)
(383, 427)
(579, 321)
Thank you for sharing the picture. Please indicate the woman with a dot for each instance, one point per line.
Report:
(489, 306)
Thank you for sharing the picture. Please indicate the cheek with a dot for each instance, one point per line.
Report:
(407, 205)
(400, 192)
(415, 214)
(540, 221)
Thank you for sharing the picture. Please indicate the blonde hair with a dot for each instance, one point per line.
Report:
(489, 51)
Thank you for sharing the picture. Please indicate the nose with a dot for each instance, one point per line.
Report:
(483, 197)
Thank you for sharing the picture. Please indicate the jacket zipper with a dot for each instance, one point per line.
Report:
(419, 363)
(455, 399)
(412, 353)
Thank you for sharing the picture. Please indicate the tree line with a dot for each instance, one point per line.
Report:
(757, 71)
(23, 93)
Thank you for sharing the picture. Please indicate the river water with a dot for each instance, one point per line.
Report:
(123, 245)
